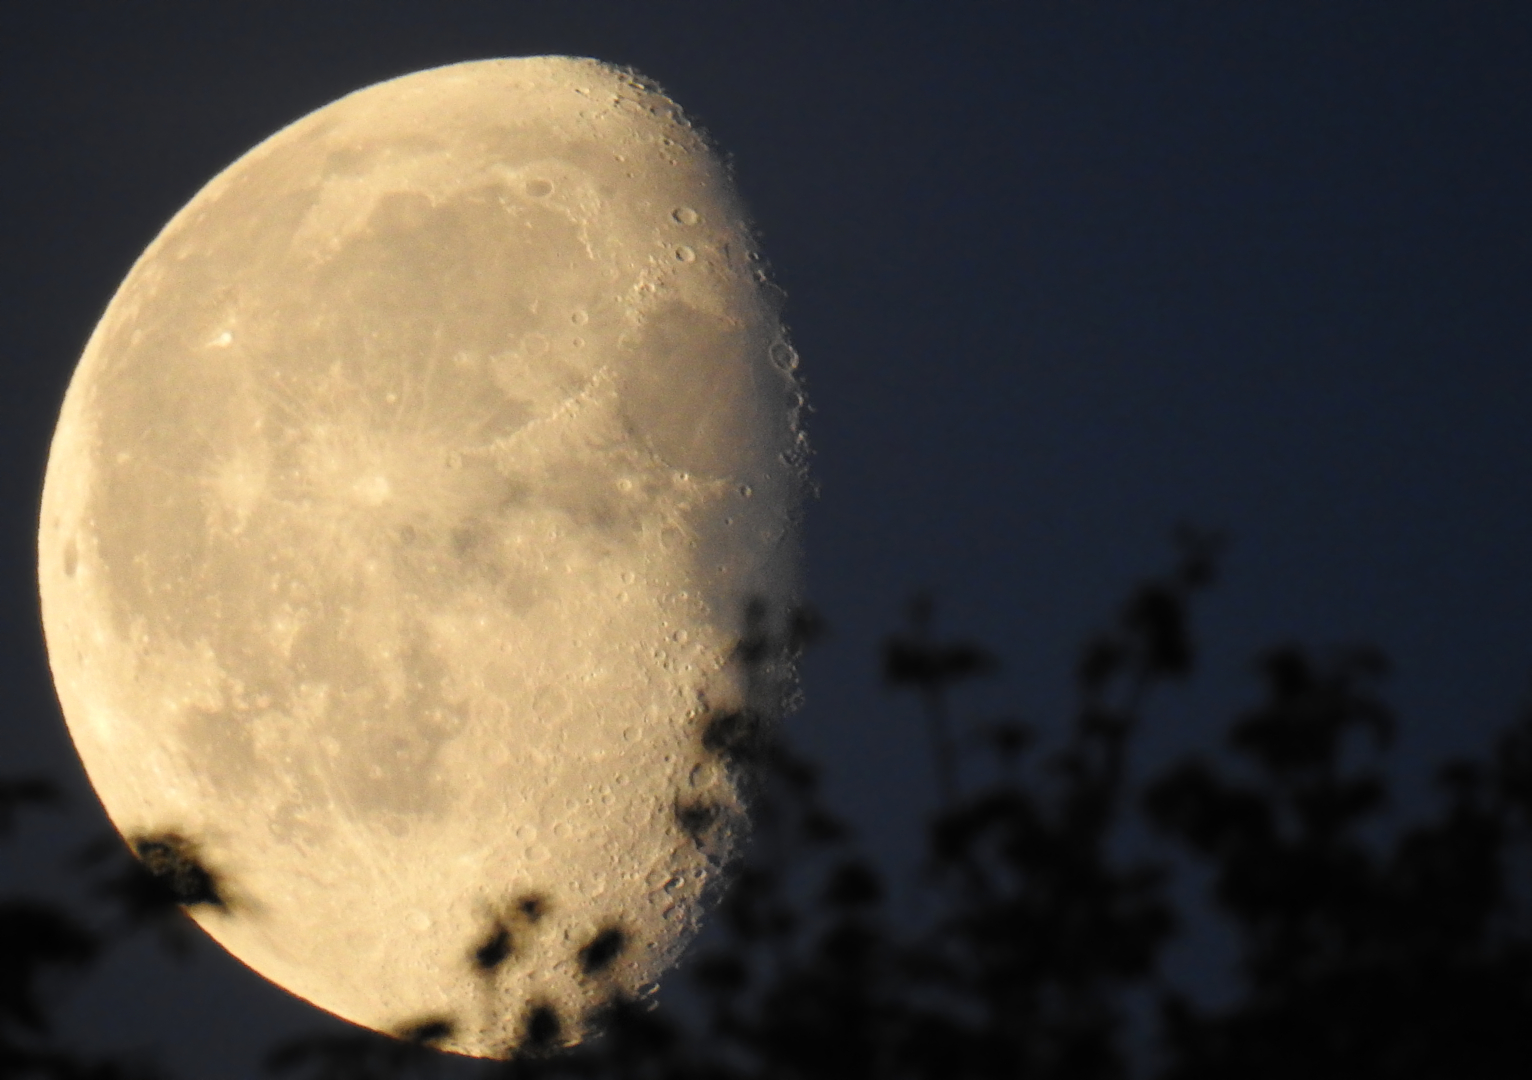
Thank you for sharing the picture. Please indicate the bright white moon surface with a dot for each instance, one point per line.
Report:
(397, 537)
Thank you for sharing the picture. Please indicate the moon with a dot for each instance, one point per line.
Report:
(402, 521)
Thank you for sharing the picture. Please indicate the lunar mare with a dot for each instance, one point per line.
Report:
(395, 540)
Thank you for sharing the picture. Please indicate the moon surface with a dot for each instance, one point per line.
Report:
(398, 535)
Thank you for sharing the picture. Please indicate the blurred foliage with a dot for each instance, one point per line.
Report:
(1364, 951)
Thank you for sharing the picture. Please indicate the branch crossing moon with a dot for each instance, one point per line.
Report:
(396, 540)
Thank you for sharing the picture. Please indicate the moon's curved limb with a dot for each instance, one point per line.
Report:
(395, 536)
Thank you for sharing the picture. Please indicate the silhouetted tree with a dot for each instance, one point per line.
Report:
(1042, 927)
(38, 937)
(1360, 959)
(1363, 953)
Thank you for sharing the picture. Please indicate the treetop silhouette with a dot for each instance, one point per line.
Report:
(1362, 953)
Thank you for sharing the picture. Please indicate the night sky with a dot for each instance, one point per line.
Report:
(1061, 274)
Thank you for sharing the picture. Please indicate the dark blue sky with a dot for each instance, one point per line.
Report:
(1062, 274)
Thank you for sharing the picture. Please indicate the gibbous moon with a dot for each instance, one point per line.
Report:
(397, 539)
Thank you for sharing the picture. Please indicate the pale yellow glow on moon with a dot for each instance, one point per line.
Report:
(395, 538)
